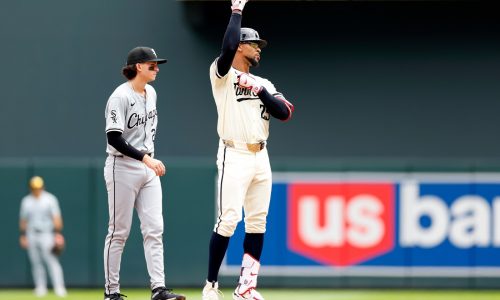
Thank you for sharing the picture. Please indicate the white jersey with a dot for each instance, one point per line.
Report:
(134, 116)
(39, 212)
(242, 115)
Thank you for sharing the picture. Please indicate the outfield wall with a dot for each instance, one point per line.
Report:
(367, 78)
(189, 197)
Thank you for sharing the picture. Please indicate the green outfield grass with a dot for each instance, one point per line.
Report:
(278, 294)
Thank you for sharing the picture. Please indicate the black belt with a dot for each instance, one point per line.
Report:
(150, 154)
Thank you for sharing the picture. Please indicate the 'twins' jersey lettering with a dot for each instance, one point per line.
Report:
(134, 116)
(241, 114)
(243, 94)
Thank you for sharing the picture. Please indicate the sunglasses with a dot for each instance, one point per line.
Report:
(152, 67)
(252, 44)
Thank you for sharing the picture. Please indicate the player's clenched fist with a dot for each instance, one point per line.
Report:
(238, 4)
(154, 164)
(247, 81)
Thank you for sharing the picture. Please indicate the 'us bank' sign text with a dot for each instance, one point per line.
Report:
(362, 224)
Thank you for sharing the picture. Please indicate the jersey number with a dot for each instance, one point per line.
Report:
(264, 114)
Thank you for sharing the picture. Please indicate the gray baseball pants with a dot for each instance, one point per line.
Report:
(40, 252)
(131, 184)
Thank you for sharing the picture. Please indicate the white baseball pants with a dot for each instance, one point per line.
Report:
(244, 181)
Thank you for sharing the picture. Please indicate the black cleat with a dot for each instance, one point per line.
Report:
(162, 293)
(114, 296)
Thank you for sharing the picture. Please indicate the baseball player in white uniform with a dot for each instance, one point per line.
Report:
(131, 173)
(245, 103)
(41, 225)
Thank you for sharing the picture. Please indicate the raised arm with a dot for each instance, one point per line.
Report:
(231, 38)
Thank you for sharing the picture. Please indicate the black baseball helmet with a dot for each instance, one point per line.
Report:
(143, 54)
(251, 35)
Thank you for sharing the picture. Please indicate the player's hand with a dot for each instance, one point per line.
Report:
(59, 244)
(238, 5)
(247, 81)
(59, 239)
(154, 164)
(23, 241)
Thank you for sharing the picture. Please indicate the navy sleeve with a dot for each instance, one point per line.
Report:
(279, 108)
(116, 140)
(229, 44)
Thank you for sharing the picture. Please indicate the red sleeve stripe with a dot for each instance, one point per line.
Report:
(289, 105)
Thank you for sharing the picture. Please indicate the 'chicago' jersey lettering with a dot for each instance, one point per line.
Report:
(137, 120)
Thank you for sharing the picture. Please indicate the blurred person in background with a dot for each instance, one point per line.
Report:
(41, 225)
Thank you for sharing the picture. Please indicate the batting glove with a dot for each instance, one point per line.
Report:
(247, 81)
(238, 4)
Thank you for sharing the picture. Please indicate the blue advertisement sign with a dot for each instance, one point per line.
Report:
(364, 224)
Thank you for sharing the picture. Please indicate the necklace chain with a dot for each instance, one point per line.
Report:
(143, 94)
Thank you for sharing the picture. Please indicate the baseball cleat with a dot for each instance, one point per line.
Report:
(162, 293)
(248, 294)
(60, 292)
(211, 291)
(40, 292)
(114, 296)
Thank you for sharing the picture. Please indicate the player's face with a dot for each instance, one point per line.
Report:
(36, 192)
(149, 70)
(251, 51)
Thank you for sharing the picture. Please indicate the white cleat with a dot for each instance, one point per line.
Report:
(211, 291)
(251, 293)
(60, 292)
(40, 292)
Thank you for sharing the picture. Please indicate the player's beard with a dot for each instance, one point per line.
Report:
(253, 62)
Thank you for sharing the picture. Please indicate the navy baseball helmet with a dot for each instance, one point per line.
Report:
(251, 35)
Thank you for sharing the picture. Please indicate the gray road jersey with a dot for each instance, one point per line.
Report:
(132, 115)
(39, 212)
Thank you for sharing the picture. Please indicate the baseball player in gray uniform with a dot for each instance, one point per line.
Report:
(245, 103)
(131, 173)
(41, 225)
